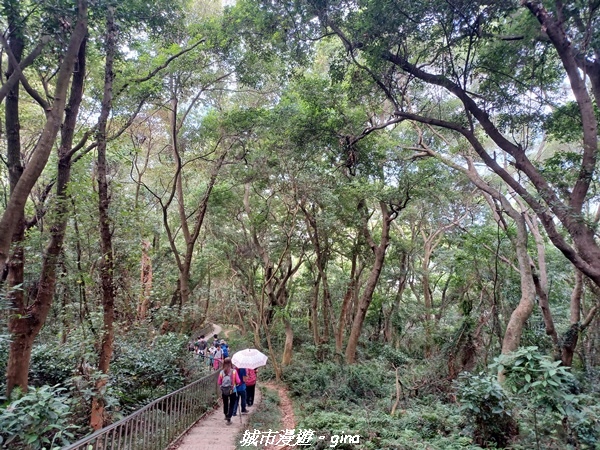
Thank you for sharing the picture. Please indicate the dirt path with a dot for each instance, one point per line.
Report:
(288, 420)
(229, 330)
(216, 329)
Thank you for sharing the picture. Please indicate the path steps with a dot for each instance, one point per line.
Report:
(213, 433)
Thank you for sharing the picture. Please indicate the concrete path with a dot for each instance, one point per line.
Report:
(213, 433)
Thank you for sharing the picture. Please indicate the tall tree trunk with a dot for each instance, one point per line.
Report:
(145, 281)
(367, 294)
(321, 250)
(314, 311)
(26, 325)
(571, 337)
(427, 296)
(518, 318)
(327, 309)
(540, 278)
(16, 204)
(388, 331)
(352, 286)
(286, 359)
(106, 261)
(16, 370)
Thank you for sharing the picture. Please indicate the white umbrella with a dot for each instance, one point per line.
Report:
(249, 359)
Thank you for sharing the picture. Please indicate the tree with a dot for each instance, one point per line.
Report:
(27, 320)
(472, 33)
(106, 246)
(442, 64)
(20, 190)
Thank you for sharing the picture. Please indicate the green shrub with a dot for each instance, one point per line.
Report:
(141, 373)
(4, 346)
(340, 383)
(394, 357)
(484, 401)
(53, 364)
(38, 419)
(550, 396)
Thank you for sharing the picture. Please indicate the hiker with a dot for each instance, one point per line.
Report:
(211, 356)
(250, 386)
(241, 392)
(218, 357)
(225, 348)
(216, 339)
(201, 346)
(228, 381)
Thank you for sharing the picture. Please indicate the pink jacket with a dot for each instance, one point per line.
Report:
(235, 378)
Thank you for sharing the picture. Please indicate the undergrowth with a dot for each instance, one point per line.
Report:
(432, 412)
(266, 416)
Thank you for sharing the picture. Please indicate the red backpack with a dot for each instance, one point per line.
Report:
(250, 377)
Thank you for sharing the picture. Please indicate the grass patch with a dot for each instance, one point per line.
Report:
(267, 416)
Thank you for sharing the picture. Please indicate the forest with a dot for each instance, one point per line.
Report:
(397, 201)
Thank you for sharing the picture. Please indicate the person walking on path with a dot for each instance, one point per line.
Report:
(228, 381)
(211, 355)
(250, 386)
(224, 348)
(218, 357)
(241, 393)
(201, 346)
(208, 433)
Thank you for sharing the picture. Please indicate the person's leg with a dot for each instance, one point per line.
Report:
(231, 404)
(225, 404)
(235, 405)
(250, 395)
(243, 399)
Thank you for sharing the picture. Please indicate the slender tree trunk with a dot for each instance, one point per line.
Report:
(286, 359)
(20, 352)
(16, 204)
(388, 332)
(541, 281)
(321, 247)
(145, 282)
(367, 294)
(26, 325)
(571, 337)
(352, 286)
(314, 311)
(518, 318)
(363, 306)
(256, 334)
(208, 299)
(327, 309)
(84, 312)
(427, 297)
(107, 261)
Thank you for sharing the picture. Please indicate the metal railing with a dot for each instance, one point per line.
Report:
(157, 424)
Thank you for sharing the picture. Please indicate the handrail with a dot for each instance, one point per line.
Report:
(157, 424)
